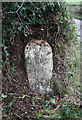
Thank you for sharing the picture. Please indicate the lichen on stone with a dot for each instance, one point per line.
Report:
(39, 65)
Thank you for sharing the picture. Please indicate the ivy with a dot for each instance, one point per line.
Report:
(22, 17)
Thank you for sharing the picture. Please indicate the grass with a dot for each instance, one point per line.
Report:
(77, 16)
(75, 10)
(76, 2)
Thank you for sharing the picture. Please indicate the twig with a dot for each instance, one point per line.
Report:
(20, 7)
(4, 9)
(16, 81)
(18, 116)
(18, 16)
(34, 5)
(15, 11)
(1, 104)
(57, 107)
(8, 13)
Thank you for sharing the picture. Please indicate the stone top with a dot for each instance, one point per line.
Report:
(37, 42)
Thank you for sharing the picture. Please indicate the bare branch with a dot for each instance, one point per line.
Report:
(19, 7)
(18, 16)
(8, 13)
(34, 5)
(15, 11)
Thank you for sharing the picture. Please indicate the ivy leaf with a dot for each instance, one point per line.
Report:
(51, 4)
(4, 96)
(39, 15)
(13, 68)
(25, 34)
(20, 28)
(10, 104)
(7, 54)
(22, 106)
(34, 13)
(40, 22)
(8, 63)
(34, 18)
(30, 21)
(5, 51)
(43, 8)
(12, 43)
(2, 45)
(5, 47)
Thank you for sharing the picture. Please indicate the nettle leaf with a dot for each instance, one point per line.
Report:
(28, 96)
(64, 106)
(33, 103)
(53, 101)
(4, 96)
(39, 115)
(38, 98)
(68, 111)
(46, 102)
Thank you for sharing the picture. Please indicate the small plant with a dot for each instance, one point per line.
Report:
(68, 111)
(38, 115)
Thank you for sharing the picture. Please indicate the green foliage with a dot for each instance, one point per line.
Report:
(32, 14)
(13, 68)
(69, 112)
(46, 102)
(10, 104)
(38, 115)
(22, 18)
(38, 98)
(22, 106)
(4, 96)
(53, 101)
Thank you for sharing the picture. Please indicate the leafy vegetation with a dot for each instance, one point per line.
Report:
(75, 8)
(76, 2)
(48, 21)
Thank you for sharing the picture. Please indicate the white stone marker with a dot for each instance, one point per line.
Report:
(39, 65)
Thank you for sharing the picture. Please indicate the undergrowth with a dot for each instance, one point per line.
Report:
(48, 21)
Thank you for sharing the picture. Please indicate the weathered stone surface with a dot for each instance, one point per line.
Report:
(39, 65)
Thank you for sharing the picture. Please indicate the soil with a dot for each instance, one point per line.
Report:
(15, 81)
